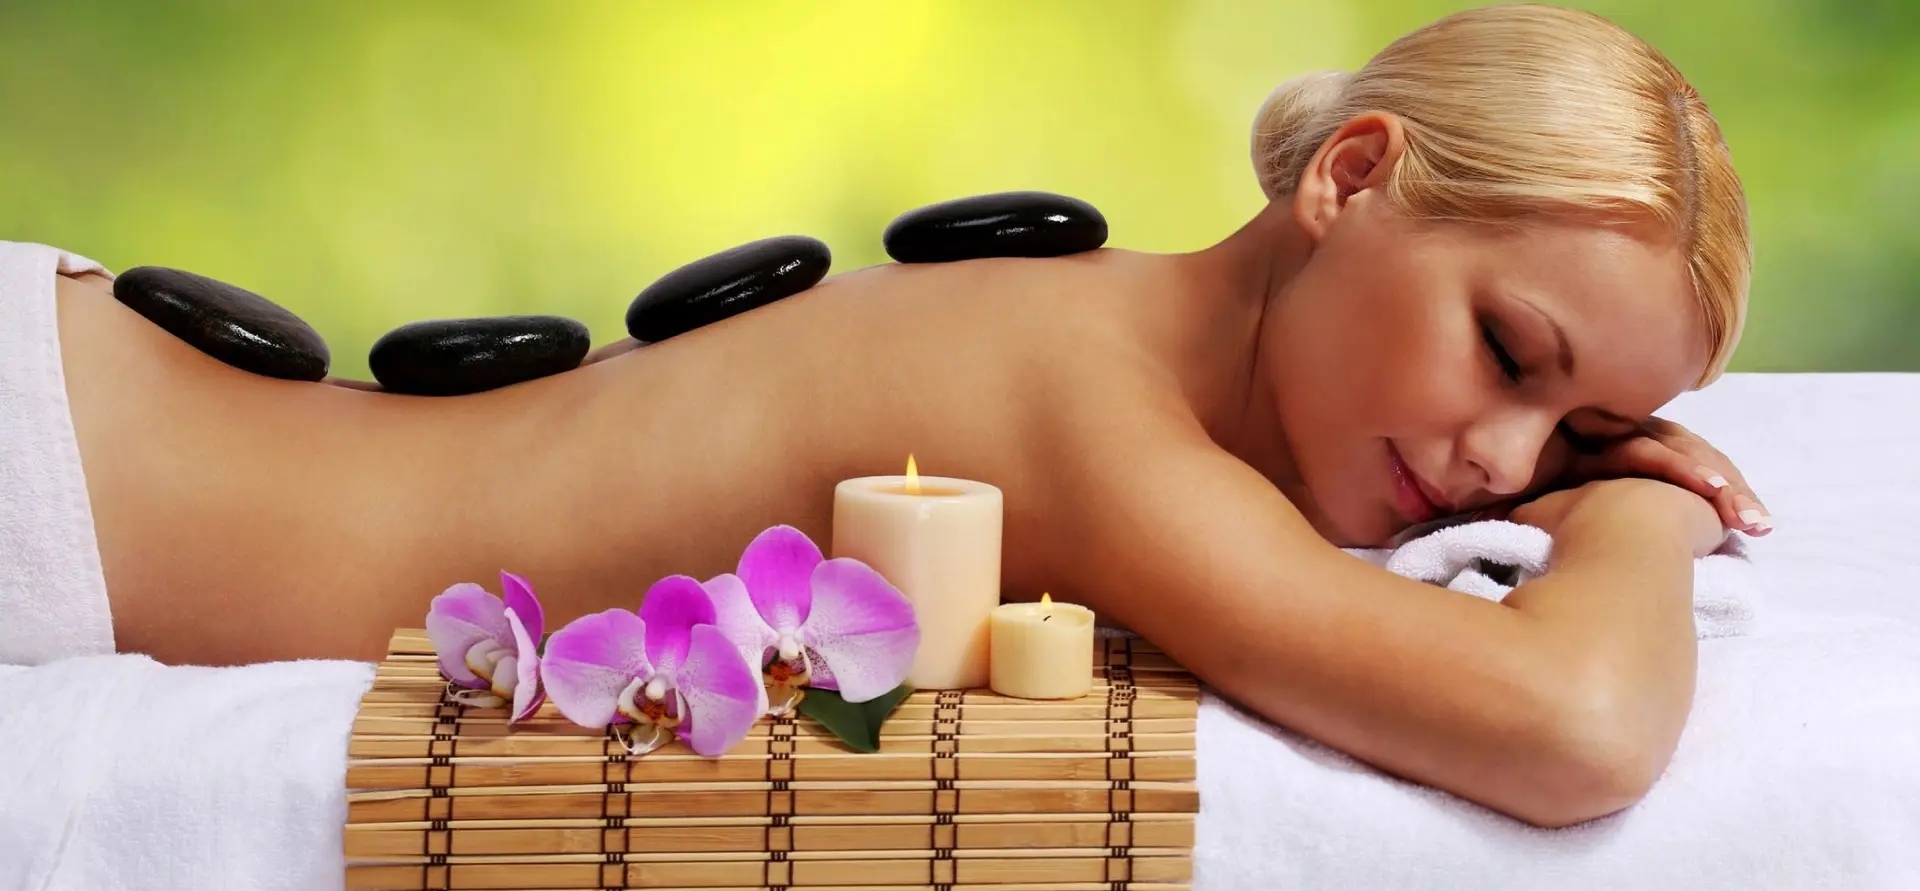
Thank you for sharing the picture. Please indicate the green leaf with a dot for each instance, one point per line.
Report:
(841, 718)
(856, 724)
(878, 708)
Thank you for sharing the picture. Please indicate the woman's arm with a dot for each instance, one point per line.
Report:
(1560, 705)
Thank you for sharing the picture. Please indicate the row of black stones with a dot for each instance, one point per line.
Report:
(451, 357)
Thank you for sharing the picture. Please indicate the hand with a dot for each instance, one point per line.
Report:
(1653, 500)
(1673, 454)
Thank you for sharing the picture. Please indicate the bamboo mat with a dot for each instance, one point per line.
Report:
(969, 790)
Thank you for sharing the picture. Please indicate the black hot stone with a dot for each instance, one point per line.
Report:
(727, 284)
(1004, 224)
(232, 324)
(452, 357)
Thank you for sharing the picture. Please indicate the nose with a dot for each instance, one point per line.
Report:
(1506, 448)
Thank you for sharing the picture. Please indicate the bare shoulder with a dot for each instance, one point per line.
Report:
(1145, 495)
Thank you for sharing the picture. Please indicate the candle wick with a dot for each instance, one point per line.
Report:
(1045, 618)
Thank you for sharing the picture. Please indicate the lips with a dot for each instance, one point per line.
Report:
(1415, 499)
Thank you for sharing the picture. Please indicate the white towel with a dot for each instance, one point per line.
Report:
(1490, 558)
(120, 772)
(53, 596)
(1799, 769)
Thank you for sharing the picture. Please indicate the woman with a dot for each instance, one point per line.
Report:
(1489, 257)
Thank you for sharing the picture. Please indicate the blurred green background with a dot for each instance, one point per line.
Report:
(372, 163)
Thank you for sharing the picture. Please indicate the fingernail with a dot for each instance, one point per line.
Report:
(1758, 520)
(1713, 479)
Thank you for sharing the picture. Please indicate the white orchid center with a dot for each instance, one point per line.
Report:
(484, 657)
(506, 674)
(644, 701)
(627, 704)
(788, 648)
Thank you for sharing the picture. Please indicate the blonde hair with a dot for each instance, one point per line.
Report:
(1523, 110)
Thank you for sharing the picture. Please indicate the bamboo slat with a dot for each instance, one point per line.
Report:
(969, 790)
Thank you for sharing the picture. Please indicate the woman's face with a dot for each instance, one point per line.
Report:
(1426, 369)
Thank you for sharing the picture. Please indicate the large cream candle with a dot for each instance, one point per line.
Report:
(1042, 650)
(938, 540)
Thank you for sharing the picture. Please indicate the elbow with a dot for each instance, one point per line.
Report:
(1589, 785)
(1599, 756)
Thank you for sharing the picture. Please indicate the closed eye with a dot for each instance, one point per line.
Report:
(1508, 366)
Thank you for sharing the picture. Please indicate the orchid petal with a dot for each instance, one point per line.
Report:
(671, 608)
(820, 673)
(735, 616)
(527, 691)
(520, 598)
(590, 661)
(722, 694)
(461, 616)
(863, 629)
(777, 569)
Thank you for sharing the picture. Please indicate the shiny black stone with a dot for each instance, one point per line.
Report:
(232, 324)
(452, 357)
(727, 284)
(1004, 224)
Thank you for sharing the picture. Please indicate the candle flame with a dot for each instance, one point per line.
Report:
(1045, 597)
(913, 477)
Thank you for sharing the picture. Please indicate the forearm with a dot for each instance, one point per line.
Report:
(1616, 608)
(1557, 707)
(1439, 687)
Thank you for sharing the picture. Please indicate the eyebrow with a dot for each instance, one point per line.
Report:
(1559, 335)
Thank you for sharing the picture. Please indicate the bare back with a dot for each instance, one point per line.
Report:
(245, 518)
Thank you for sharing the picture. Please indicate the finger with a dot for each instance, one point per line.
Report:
(1651, 458)
(1739, 507)
(1648, 457)
(1712, 461)
(1751, 516)
(1742, 491)
(1726, 503)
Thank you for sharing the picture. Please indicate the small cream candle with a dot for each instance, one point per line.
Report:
(938, 540)
(1042, 650)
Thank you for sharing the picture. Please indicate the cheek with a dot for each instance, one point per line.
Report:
(1330, 345)
(1371, 345)
(1427, 374)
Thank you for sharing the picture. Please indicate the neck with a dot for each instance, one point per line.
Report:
(1237, 281)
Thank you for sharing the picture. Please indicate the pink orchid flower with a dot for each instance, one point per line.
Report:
(806, 620)
(487, 647)
(667, 670)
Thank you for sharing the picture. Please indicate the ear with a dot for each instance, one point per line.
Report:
(1358, 156)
